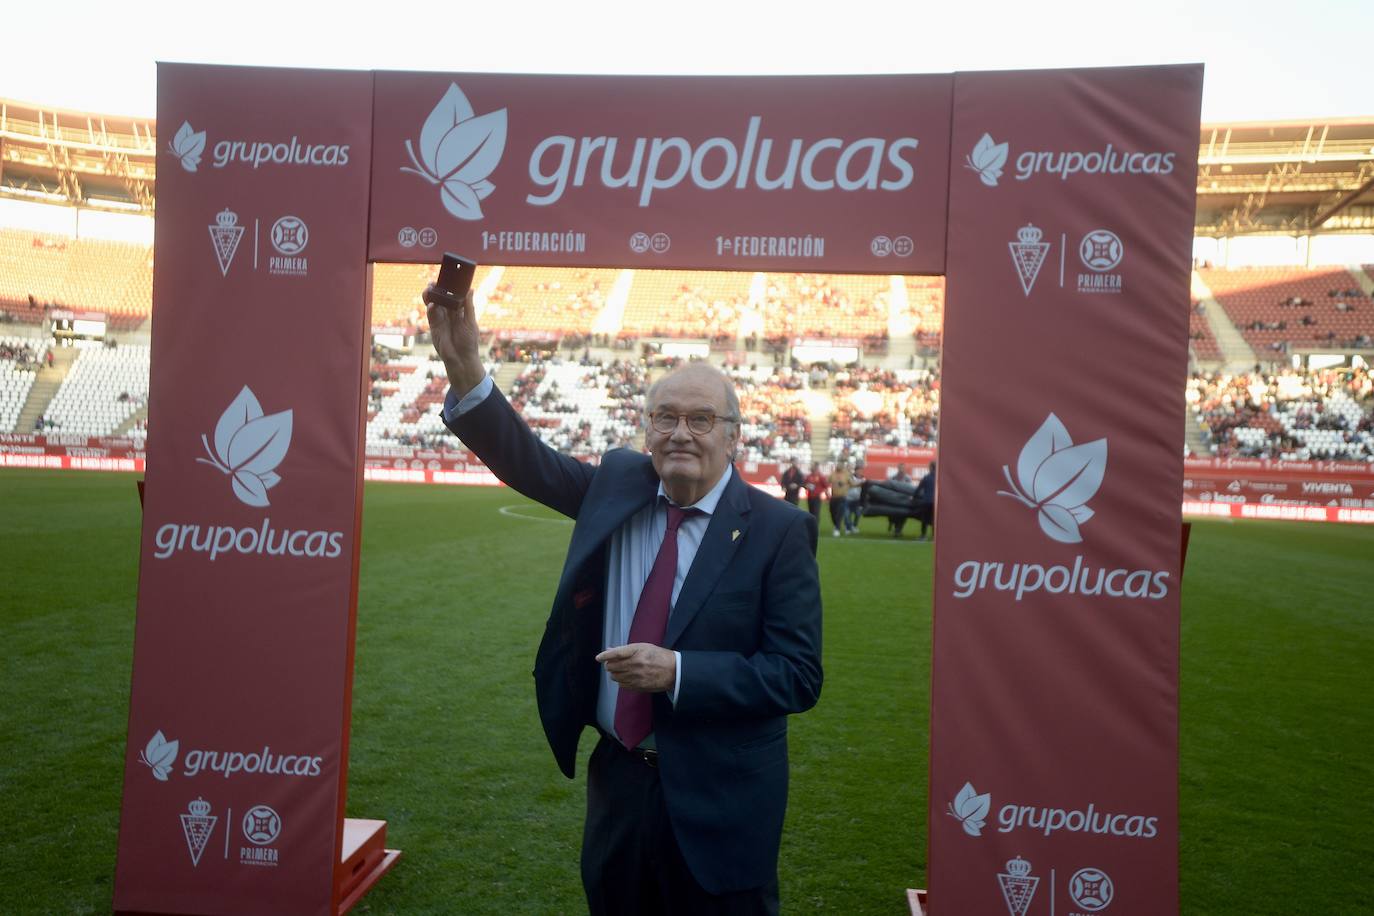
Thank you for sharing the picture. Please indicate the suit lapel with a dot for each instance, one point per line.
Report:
(713, 556)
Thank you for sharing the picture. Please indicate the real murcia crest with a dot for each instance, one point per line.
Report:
(198, 824)
(1018, 886)
(225, 235)
(1028, 254)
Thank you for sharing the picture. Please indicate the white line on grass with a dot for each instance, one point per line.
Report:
(509, 513)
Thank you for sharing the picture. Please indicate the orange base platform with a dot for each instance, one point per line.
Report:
(364, 860)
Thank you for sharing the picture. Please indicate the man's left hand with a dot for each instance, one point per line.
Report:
(641, 666)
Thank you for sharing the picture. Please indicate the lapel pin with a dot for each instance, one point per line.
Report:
(734, 535)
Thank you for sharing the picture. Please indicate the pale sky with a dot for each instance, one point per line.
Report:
(1265, 60)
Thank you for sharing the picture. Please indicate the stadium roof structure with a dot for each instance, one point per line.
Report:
(79, 158)
(1286, 177)
(1293, 177)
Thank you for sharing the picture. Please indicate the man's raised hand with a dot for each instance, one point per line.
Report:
(455, 338)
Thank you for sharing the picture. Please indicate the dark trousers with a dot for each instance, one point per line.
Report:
(837, 512)
(631, 864)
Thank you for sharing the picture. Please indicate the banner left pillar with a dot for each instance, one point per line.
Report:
(237, 759)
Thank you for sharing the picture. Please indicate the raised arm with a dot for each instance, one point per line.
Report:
(492, 429)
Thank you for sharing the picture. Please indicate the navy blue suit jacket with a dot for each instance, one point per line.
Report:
(747, 622)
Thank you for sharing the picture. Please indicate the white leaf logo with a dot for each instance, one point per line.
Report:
(249, 446)
(987, 159)
(187, 146)
(458, 150)
(970, 809)
(159, 756)
(1057, 478)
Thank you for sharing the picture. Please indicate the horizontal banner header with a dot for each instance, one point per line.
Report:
(826, 174)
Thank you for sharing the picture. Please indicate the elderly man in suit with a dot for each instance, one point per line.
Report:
(685, 629)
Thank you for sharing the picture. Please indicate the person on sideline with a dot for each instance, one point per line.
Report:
(841, 480)
(792, 481)
(816, 487)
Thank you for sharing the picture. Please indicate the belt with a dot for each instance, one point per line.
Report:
(645, 755)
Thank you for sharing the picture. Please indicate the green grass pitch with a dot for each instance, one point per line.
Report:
(1277, 784)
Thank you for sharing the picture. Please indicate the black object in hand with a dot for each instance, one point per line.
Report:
(455, 279)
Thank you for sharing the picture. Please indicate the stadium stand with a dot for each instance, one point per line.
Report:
(926, 307)
(548, 300)
(1281, 309)
(104, 387)
(776, 424)
(405, 401)
(696, 304)
(1290, 415)
(1202, 341)
(93, 275)
(582, 409)
(876, 407)
(20, 358)
(396, 290)
(820, 306)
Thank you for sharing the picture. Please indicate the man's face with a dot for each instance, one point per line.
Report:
(685, 462)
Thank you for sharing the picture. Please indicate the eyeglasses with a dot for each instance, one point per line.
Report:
(698, 424)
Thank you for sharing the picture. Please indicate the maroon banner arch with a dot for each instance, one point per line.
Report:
(1059, 204)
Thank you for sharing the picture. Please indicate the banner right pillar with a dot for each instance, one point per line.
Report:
(1054, 719)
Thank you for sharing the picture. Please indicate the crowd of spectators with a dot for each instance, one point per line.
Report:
(812, 305)
(24, 355)
(1346, 301)
(695, 311)
(1289, 415)
(582, 408)
(774, 420)
(883, 407)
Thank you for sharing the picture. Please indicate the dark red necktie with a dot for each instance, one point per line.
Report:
(634, 711)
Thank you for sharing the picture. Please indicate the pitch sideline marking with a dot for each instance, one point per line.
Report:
(507, 511)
